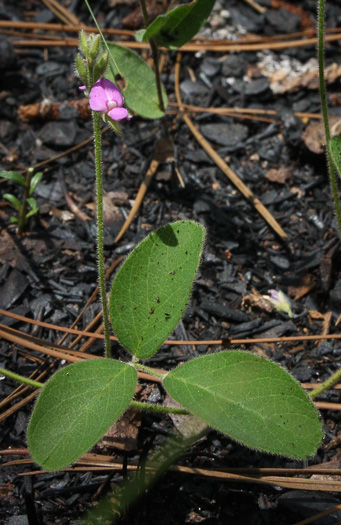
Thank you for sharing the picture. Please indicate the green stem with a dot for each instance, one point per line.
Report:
(155, 57)
(331, 169)
(326, 385)
(158, 408)
(22, 379)
(150, 371)
(96, 116)
(134, 404)
(23, 210)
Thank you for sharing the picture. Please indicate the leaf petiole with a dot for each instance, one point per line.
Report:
(150, 371)
(150, 407)
(20, 378)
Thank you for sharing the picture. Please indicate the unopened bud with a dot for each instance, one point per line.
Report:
(101, 66)
(81, 69)
(83, 43)
(94, 46)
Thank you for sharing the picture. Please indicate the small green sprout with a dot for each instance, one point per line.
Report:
(280, 301)
(28, 207)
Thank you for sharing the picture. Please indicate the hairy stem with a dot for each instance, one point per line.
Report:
(22, 379)
(158, 408)
(323, 96)
(326, 385)
(100, 261)
(150, 371)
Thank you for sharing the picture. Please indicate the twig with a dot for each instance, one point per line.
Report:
(155, 57)
(254, 476)
(68, 151)
(248, 194)
(139, 198)
(62, 13)
(243, 111)
(192, 46)
(71, 203)
(260, 9)
(318, 516)
(37, 26)
(220, 342)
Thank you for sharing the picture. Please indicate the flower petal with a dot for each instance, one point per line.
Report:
(112, 92)
(98, 98)
(119, 114)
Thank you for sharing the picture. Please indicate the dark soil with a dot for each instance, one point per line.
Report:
(50, 273)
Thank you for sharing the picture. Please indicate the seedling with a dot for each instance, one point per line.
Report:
(99, 64)
(30, 184)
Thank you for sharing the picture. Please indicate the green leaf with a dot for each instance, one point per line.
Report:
(251, 399)
(13, 176)
(34, 211)
(140, 89)
(177, 27)
(151, 289)
(13, 200)
(35, 181)
(76, 407)
(32, 203)
(139, 35)
(115, 125)
(13, 220)
(335, 151)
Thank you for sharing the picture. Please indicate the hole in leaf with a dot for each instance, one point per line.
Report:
(120, 81)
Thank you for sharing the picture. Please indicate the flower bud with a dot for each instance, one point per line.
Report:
(101, 66)
(81, 69)
(83, 43)
(94, 46)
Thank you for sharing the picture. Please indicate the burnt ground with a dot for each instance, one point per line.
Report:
(50, 273)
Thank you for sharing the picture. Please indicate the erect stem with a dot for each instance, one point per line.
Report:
(96, 117)
(22, 379)
(158, 408)
(23, 210)
(155, 57)
(331, 169)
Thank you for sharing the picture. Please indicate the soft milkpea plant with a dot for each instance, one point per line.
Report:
(251, 399)
(106, 101)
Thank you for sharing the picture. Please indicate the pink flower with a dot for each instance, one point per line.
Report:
(108, 99)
